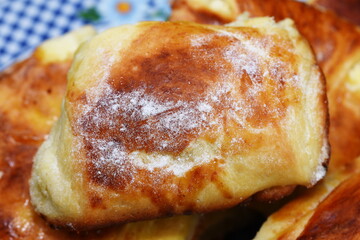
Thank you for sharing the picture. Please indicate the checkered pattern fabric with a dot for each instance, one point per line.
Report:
(24, 24)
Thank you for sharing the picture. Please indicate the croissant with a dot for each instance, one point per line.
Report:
(171, 118)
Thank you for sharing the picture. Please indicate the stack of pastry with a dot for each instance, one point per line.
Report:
(169, 118)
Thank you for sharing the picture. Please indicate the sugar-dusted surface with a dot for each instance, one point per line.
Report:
(158, 100)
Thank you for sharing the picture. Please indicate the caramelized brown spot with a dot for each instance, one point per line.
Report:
(337, 216)
(96, 201)
(172, 191)
(274, 193)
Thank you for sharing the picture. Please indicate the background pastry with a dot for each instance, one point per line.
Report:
(197, 120)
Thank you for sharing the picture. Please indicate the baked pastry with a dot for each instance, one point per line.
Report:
(31, 92)
(169, 118)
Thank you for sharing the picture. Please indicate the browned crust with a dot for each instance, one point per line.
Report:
(74, 229)
(336, 216)
(274, 193)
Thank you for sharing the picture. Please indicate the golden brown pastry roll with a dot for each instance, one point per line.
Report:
(173, 117)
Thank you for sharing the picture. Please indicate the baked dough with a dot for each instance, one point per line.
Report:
(169, 118)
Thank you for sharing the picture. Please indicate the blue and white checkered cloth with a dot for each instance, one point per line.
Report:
(24, 24)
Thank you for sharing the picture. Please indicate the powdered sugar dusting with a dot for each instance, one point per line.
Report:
(137, 127)
(176, 118)
(200, 40)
